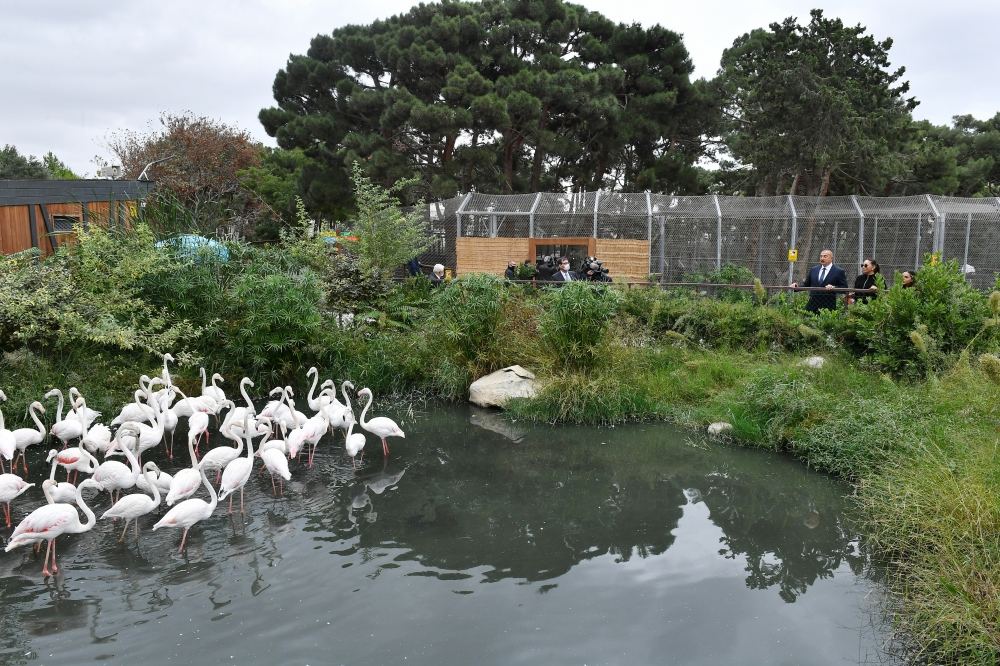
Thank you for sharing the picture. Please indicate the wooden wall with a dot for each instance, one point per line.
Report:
(626, 260)
(15, 227)
(488, 255)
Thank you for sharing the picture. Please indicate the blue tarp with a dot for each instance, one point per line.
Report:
(190, 246)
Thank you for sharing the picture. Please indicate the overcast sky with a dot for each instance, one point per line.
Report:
(74, 71)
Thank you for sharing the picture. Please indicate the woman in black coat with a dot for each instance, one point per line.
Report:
(867, 280)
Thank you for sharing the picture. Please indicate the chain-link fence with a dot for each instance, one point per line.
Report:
(694, 235)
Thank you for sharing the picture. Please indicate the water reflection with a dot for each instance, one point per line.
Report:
(452, 526)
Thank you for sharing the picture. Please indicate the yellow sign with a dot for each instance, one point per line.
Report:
(447, 274)
(793, 254)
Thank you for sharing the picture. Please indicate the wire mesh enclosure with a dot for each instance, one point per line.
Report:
(690, 236)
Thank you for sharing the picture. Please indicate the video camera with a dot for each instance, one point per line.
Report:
(593, 270)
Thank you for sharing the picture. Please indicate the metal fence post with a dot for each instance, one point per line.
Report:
(916, 259)
(861, 230)
(718, 232)
(531, 215)
(795, 233)
(938, 245)
(458, 215)
(597, 200)
(968, 234)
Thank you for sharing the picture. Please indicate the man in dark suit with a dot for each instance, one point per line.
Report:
(564, 274)
(826, 274)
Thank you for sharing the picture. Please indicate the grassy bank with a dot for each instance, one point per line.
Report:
(905, 406)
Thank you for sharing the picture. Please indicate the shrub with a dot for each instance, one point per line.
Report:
(913, 331)
(469, 315)
(574, 320)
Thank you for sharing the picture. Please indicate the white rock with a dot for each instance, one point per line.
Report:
(496, 388)
(719, 427)
(814, 362)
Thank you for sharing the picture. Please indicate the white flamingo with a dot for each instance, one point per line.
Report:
(190, 511)
(380, 426)
(341, 415)
(11, 487)
(64, 429)
(50, 521)
(355, 444)
(212, 391)
(234, 419)
(134, 506)
(84, 414)
(75, 459)
(97, 439)
(186, 481)
(115, 476)
(160, 479)
(57, 491)
(219, 458)
(236, 475)
(136, 410)
(277, 465)
(8, 443)
(25, 437)
(321, 400)
(165, 375)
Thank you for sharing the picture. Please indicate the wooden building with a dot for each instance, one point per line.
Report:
(41, 213)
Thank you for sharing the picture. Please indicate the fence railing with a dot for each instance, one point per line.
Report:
(697, 234)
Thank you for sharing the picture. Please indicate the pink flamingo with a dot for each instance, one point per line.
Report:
(380, 426)
(11, 486)
(190, 511)
(50, 521)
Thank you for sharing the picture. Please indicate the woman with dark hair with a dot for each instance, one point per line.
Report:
(909, 279)
(867, 280)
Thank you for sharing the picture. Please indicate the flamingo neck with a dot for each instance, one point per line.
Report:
(211, 491)
(364, 424)
(132, 461)
(91, 518)
(204, 381)
(312, 389)
(152, 484)
(347, 397)
(59, 408)
(246, 396)
(36, 419)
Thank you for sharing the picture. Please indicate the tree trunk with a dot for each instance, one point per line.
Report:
(449, 148)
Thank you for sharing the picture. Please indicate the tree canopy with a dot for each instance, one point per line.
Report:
(807, 106)
(15, 166)
(502, 95)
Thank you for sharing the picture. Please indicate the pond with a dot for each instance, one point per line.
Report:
(477, 541)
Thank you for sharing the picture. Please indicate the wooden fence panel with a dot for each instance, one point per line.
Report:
(626, 260)
(488, 255)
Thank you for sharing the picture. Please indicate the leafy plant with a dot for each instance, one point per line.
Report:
(574, 320)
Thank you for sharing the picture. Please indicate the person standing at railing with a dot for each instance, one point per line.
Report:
(564, 274)
(867, 280)
(827, 275)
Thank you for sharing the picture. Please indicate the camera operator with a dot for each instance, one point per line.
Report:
(545, 267)
(593, 270)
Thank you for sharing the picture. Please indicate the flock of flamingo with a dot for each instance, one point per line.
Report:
(150, 421)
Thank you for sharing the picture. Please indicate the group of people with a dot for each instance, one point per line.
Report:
(549, 270)
(829, 276)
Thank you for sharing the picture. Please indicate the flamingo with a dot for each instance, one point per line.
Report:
(97, 439)
(165, 375)
(355, 444)
(236, 475)
(84, 414)
(190, 511)
(8, 443)
(322, 400)
(186, 481)
(134, 506)
(55, 491)
(219, 458)
(380, 426)
(161, 480)
(235, 416)
(136, 410)
(25, 437)
(74, 458)
(198, 424)
(115, 476)
(64, 429)
(50, 521)
(212, 391)
(276, 463)
(11, 486)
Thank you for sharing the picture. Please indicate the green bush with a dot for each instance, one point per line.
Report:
(468, 315)
(914, 331)
(728, 274)
(574, 320)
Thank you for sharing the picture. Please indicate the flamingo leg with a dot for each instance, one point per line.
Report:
(122, 537)
(45, 565)
(183, 540)
(242, 510)
(6, 511)
(274, 488)
(281, 487)
(136, 523)
(230, 504)
(55, 567)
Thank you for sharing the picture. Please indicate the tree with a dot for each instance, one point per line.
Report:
(276, 181)
(387, 237)
(807, 106)
(57, 168)
(502, 95)
(201, 162)
(13, 165)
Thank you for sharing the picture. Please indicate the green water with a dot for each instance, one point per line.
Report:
(477, 542)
